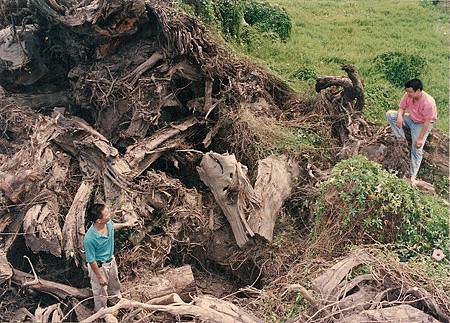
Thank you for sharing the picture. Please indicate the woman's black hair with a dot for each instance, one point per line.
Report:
(94, 213)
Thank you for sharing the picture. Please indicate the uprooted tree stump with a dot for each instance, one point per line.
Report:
(116, 102)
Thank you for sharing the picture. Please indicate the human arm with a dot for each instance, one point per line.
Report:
(129, 223)
(425, 125)
(401, 111)
(100, 276)
(90, 259)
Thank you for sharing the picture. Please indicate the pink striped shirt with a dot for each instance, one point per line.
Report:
(421, 110)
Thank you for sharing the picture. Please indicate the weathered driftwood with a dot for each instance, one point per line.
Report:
(19, 173)
(228, 181)
(52, 313)
(248, 210)
(45, 286)
(41, 227)
(141, 155)
(204, 308)
(73, 230)
(274, 183)
(326, 285)
(364, 297)
(98, 159)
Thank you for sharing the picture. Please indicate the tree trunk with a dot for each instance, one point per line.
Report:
(248, 210)
(227, 179)
(273, 186)
(174, 280)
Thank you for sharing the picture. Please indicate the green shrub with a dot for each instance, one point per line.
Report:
(397, 68)
(268, 18)
(230, 14)
(380, 97)
(366, 203)
(305, 73)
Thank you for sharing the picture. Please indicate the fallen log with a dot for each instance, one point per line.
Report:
(174, 280)
(45, 286)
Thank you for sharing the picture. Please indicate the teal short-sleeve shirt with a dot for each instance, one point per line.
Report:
(99, 247)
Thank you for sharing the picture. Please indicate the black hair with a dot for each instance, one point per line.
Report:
(415, 84)
(94, 213)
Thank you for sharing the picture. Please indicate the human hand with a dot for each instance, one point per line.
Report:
(132, 222)
(419, 143)
(399, 122)
(102, 280)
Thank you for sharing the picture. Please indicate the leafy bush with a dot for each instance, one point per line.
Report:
(230, 14)
(397, 68)
(362, 202)
(305, 73)
(268, 18)
(380, 97)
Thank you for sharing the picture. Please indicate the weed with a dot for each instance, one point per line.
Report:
(367, 203)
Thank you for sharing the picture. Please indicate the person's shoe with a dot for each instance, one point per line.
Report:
(414, 181)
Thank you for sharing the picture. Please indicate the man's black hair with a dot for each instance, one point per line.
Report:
(94, 213)
(415, 84)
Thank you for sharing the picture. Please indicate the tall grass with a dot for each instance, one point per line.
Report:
(326, 33)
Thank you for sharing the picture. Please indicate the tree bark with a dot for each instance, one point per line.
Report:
(274, 183)
(73, 230)
(141, 155)
(248, 210)
(227, 179)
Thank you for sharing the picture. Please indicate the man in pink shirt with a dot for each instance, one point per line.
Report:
(417, 111)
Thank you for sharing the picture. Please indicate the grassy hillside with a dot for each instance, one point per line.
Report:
(326, 33)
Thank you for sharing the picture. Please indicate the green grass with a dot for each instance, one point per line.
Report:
(326, 33)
